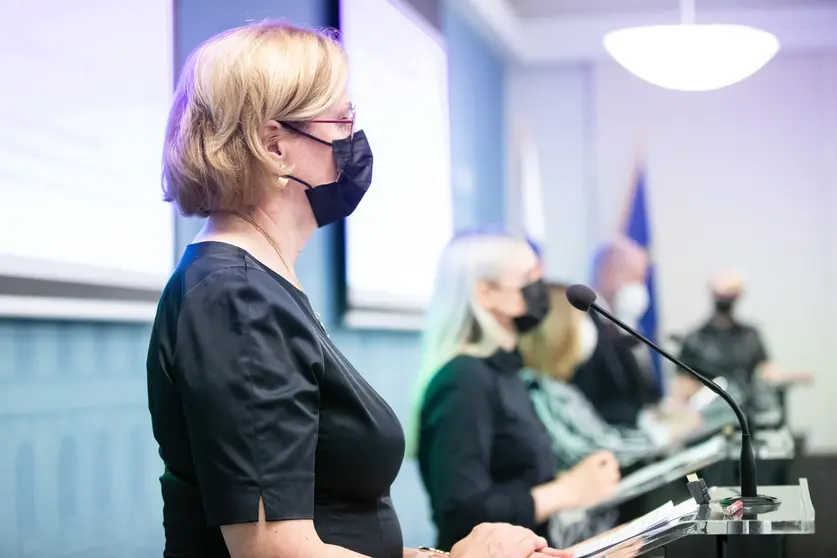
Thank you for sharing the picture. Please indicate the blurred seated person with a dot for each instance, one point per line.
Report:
(618, 379)
(551, 353)
(725, 346)
(482, 451)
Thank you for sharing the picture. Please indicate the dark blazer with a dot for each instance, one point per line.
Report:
(482, 447)
(611, 378)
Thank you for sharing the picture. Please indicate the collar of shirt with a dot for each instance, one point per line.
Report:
(508, 362)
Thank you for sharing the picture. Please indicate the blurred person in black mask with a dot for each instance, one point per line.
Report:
(725, 346)
(481, 448)
(618, 378)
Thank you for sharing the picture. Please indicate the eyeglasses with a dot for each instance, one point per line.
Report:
(349, 122)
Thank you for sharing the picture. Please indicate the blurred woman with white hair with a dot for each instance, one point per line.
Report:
(483, 453)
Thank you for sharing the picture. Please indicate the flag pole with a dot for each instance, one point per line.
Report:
(640, 159)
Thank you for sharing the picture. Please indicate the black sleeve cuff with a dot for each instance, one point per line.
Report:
(283, 500)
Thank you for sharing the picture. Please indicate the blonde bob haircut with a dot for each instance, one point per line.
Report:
(456, 323)
(213, 158)
(554, 347)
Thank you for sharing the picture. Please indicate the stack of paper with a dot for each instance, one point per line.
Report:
(708, 449)
(667, 513)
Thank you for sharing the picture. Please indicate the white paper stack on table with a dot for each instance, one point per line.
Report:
(665, 514)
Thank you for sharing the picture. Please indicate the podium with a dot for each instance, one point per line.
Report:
(720, 450)
(730, 535)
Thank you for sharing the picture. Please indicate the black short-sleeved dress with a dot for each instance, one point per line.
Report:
(249, 398)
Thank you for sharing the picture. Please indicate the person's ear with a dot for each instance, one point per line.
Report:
(484, 294)
(272, 137)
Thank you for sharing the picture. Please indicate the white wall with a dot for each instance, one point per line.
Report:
(743, 177)
(555, 107)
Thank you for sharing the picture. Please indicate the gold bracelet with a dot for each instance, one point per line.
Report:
(434, 552)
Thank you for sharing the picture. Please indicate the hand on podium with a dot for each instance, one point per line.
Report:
(554, 552)
(670, 424)
(683, 423)
(671, 404)
(628, 550)
(593, 481)
(501, 540)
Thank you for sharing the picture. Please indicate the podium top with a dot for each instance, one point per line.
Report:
(769, 445)
(674, 467)
(794, 516)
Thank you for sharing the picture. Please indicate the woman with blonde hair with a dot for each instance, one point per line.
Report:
(274, 445)
(551, 352)
(482, 452)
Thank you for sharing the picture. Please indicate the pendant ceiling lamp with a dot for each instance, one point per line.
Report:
(690, 56)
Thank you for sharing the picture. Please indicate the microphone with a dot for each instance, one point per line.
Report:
(583, 298)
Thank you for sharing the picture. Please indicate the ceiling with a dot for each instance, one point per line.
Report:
(571, 31)
(530, 9)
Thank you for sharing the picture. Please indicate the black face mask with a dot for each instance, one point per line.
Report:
(724, 306)
(536, 296)
(337, 200)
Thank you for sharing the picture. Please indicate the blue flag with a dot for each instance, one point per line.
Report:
(637, 227)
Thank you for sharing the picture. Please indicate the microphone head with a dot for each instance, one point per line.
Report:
(581, 297)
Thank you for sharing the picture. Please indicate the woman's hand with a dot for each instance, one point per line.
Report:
(775, 375)
(682, 424)
(593, 481)
(553, 552)
(500, 540)
(628, 550)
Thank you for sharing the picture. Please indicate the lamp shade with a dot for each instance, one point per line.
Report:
(692, 57)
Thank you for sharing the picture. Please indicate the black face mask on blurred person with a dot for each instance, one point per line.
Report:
(337, 200)
(724, 306)
(536, 296)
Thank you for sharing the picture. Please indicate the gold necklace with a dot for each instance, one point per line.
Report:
(272, 243)
(279, 253)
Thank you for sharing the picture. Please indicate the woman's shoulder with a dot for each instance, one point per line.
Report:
(465, 370)
(458, 384)
(220, 284)
(224, 269)
(466, 364)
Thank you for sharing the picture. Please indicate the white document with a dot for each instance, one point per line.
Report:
(667, 513)
(701, 452)
(704, 396)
